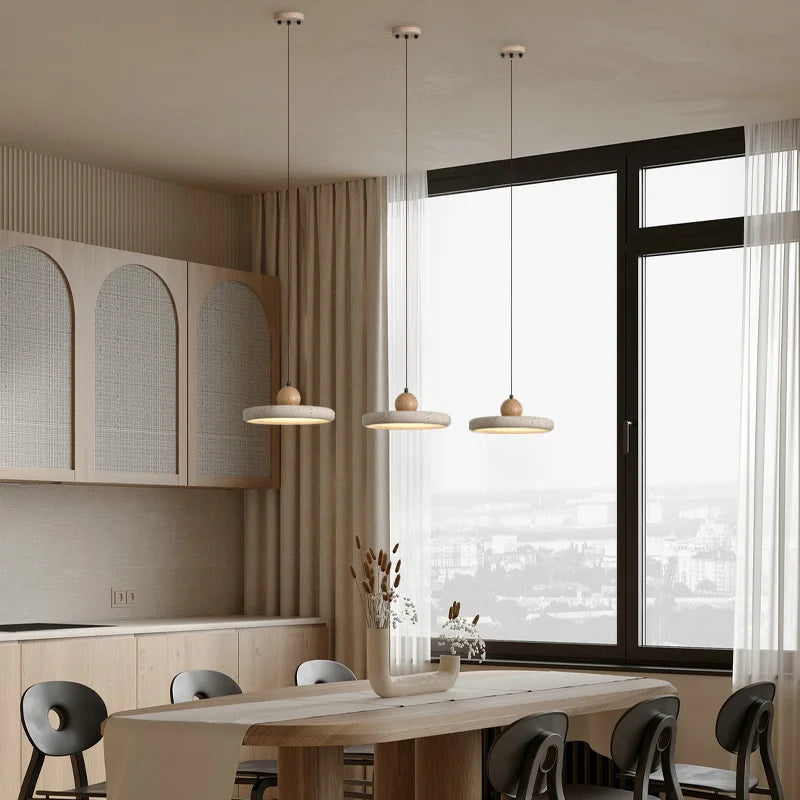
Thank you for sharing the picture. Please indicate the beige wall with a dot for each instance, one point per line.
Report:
(62, 548)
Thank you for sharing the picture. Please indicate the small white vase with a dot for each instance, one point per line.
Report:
(379, 671)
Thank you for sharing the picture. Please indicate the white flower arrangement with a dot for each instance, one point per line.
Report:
(403, 610)
(460, 636)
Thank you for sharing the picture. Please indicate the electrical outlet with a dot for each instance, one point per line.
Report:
(123, 598)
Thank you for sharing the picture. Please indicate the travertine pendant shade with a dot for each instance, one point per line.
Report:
(406, 415)
(288, 409)
(511, 419)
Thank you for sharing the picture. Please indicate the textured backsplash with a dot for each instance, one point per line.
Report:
(63, 547)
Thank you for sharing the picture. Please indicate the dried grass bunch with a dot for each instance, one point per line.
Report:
(377, 586)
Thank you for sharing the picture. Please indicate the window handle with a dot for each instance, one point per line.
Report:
(627, 430)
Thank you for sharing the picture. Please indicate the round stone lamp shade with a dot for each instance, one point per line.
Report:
(288, 411)
(511, 420)
(405, 417)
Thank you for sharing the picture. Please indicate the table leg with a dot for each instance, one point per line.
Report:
(310, 773)
(449, 767)
(394, 770)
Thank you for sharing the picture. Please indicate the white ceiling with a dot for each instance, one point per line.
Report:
(194, 90)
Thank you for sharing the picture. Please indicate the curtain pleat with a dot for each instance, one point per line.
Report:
(327, 244)
(767, 633)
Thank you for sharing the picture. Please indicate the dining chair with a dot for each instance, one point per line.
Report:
(527, 758)
(201, 684)
(320, 670)
(61, 718)
(744, 725)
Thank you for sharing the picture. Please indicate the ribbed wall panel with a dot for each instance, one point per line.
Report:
(64, 199)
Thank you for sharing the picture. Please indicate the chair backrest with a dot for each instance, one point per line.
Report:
(527, 758)
(629, 739)
(732, 717)
(200, 684)
(62, 718)
(321, 671)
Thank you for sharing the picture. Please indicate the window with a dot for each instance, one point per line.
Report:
(525, 530)
(691, 330)
(717, 191)
(598, 541)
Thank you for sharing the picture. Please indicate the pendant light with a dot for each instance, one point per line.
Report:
(511, 419)
(406, 416)
(288, 409)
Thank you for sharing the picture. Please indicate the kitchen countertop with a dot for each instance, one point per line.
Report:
(129, 627)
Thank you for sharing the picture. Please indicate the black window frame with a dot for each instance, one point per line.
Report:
(635, 242)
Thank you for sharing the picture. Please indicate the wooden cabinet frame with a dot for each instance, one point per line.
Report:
(173, 274)
(202, 279)
(70, 258)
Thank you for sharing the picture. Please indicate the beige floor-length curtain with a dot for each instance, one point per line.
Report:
(327, 244)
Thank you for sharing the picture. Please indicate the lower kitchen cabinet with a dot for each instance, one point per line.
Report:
(135, 671)
(268, 658)
(106, 663)
(10, 728)
(161, 656)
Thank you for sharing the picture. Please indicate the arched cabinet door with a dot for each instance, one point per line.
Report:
(135, 365)
(38, 325)
(234, 352)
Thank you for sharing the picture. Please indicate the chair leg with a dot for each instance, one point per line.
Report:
(260, 786)
(31, 778)
(768, 762)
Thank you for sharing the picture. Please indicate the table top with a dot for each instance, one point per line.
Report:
(345, 714)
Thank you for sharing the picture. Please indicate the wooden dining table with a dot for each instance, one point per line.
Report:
(426, 748)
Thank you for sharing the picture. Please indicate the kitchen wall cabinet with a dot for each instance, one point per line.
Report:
(38, 282)
(234, 361)
(134, 346)
(125, 368)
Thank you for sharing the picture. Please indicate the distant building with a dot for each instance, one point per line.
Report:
(715, 566)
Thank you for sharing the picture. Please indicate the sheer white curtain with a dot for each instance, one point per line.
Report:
(409, 515)
(768, 589)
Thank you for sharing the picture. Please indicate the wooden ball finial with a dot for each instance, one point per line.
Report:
(288, 396)
(405, 401)
(511, 407)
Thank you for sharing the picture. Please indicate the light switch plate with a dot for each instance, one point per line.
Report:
(118, 598)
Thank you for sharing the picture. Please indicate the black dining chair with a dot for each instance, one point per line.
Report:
(527, 758)
(201, 684)
(320, 670)
(744, 725)
(61, 719)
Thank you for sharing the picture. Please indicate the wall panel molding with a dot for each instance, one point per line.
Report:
(52, 196)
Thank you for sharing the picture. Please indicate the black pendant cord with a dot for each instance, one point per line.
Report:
(288, 200)
(511, 226)
(405, 204)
